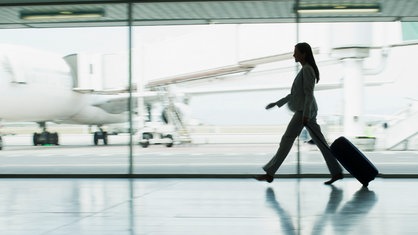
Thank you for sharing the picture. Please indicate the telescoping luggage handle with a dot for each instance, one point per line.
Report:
(313, 133)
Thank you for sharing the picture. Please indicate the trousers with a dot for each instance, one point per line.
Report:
(292, 131)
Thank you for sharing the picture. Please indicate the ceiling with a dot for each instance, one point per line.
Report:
(193, 12)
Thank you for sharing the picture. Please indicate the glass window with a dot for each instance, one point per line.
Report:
(64, 91)
(201, 74)
(369, 99)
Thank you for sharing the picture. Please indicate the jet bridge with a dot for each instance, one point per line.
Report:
(98, 73)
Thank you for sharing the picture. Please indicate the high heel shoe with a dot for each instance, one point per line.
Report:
(334, 178)
(265, 177)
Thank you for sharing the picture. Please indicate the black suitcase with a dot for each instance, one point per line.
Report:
(354, 160)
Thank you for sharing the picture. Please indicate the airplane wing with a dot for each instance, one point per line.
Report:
(200, 75)
(319, 87)
(101, 92)
(117, 104)
(244, 66)
(402, 44)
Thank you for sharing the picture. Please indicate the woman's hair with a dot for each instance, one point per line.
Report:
(306, 49)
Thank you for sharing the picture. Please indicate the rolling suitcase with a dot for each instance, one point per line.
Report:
(353, 160)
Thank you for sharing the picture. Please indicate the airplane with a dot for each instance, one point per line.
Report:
(38, 86)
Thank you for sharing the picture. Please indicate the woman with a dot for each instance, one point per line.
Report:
(302, 102)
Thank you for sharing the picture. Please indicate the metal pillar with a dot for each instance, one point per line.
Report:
(353, 97)
(352, 59)
(350, 43)
(130, 104)
(298, 156)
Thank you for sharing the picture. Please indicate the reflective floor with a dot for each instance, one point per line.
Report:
(206, 206)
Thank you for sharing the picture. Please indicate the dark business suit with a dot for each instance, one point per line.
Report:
(302, 102)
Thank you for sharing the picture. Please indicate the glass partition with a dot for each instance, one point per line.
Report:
(224, 75)
(199, 88)
(365, 91)
(64, 106)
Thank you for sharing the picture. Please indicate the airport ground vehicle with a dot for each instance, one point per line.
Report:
(156, 133)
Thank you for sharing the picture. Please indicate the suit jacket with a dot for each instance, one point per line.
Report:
(301, 97)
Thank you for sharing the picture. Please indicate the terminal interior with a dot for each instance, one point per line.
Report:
(183, 85)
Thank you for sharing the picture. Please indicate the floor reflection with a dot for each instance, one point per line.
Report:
(354, 210)
(342, 218)
(285, 217)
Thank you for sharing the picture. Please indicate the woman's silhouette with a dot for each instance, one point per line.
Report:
(302, 102)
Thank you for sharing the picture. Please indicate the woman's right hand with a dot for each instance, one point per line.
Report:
(271, 105)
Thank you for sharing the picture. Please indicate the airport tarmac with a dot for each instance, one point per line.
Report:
(78, 155)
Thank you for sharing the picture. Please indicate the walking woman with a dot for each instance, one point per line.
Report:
(302, 102)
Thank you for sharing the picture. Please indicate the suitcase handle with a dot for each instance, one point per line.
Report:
(315, 135)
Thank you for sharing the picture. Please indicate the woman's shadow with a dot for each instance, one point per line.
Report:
(341, 218)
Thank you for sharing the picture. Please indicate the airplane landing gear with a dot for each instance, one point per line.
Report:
(45, 137)
(100, 135)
